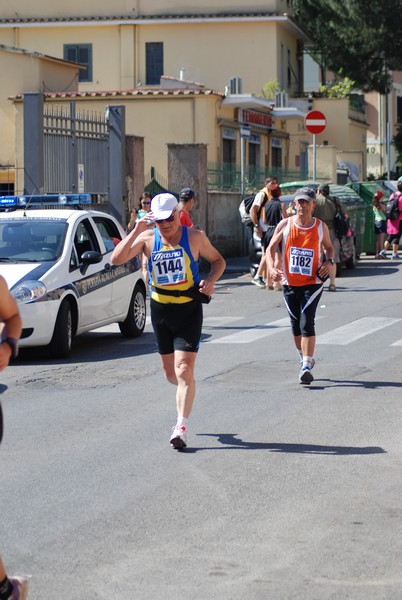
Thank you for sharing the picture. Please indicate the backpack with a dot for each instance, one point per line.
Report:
(341, 225)
(244, 209)
(392, 209)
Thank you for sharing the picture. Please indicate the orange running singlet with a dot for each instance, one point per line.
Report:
(301, 251)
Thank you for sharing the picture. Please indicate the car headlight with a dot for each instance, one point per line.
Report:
(28, 290)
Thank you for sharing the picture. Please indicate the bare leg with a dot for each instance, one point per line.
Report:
(179, 370)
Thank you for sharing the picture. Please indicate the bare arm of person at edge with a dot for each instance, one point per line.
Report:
(140, 239)
(277, 273)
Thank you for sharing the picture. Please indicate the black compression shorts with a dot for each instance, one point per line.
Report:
(301, 302)
(177, 326)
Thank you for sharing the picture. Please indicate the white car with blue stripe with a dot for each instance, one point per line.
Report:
(56, 261)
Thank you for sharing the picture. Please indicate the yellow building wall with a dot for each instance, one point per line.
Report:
(209, 53)
(158, 120)
(27, 73)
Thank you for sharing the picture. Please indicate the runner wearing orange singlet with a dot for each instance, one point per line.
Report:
(302, 238)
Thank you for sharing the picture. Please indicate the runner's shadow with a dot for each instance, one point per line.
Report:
(229, 441)
(369, 385)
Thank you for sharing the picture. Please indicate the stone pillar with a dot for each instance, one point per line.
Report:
(134, 170)
(187, 167)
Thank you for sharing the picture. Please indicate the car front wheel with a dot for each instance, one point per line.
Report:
(61, 343)
(134, 323)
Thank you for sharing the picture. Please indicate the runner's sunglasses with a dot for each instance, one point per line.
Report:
(168, 220)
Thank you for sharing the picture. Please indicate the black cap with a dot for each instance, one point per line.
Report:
(324, 189)
(186, 194)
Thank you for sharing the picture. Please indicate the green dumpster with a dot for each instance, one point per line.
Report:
(361, 219)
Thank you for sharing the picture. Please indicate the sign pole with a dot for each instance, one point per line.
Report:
(314, 157)
(315, 122)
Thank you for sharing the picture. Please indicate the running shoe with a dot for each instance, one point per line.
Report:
(259, 282)
(395, 257)
(178, 438)
(20, 588)
(306, 376)
(383, 254)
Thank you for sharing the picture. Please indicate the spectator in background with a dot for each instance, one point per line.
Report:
(326, 207)
(380, 224)
(275, 211)
(136, 215)
(394, 227)
(186, 204)
(141, 211)
(258, 218)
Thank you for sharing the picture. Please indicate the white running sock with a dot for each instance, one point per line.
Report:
(307, 361)
(182, 421)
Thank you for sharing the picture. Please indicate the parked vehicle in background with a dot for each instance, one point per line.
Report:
(55, 257)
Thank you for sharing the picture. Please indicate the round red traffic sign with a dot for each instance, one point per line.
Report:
(315, 121)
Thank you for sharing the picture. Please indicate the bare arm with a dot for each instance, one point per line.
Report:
(276, 273)
(10, 317)
(201, 246)
(134, 243)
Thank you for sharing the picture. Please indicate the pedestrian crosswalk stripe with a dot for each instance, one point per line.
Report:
(341, 336)
(246, 336)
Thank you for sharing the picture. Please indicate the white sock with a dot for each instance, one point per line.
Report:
(307, 361)
(182, 421)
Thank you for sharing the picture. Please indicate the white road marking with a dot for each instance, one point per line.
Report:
(341, 336)
(249, 335)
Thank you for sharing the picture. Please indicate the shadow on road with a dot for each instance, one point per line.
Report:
(229, 441)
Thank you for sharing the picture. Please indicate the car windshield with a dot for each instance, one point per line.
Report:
(31, 240)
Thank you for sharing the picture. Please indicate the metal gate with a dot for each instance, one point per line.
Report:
(76, 151)
(66, 151)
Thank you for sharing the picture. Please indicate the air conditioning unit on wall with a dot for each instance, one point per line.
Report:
(235, 85)
(281, 99)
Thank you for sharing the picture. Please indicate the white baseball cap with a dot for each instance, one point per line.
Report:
(162, 206)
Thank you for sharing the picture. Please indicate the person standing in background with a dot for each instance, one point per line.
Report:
(380, 224)
(186, 205)
(257, 216)
(326, 207)
(394, 227)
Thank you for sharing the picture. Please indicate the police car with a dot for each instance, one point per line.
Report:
(55, 257)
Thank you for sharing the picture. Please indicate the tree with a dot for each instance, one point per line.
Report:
(339, 88)
(269, 90)
(359, 39)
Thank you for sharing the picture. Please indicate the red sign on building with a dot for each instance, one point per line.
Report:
(256, 118)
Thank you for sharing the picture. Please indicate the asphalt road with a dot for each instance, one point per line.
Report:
(285, 491)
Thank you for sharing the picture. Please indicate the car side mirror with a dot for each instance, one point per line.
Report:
(90, 257)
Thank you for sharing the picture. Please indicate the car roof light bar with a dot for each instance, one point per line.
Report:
(67, 200)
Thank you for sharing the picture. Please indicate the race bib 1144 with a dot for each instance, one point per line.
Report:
(168, 267)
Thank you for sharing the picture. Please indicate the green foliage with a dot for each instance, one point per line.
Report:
(360, 38)
(269, 90)
(337, 88)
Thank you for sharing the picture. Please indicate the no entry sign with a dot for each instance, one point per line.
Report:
(315, 121)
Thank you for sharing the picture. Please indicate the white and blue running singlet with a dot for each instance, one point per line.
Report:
(173, 268)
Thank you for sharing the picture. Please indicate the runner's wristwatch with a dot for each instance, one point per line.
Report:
(331, 260)
(13, 343)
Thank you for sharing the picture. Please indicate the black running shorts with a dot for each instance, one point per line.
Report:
(177, 326)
